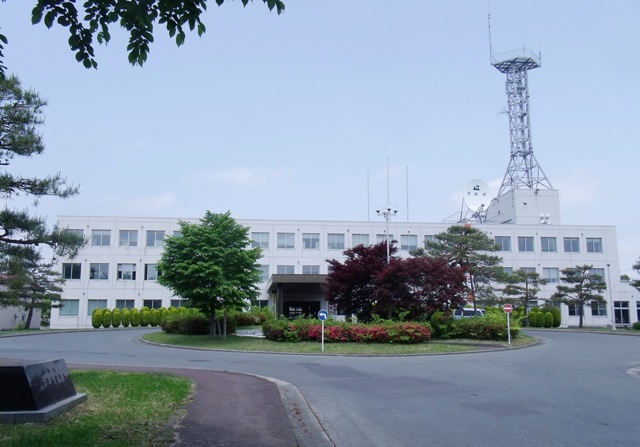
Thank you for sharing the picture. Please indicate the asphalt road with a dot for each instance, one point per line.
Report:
(573, 389)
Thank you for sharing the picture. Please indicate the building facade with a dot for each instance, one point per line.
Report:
(117, 266)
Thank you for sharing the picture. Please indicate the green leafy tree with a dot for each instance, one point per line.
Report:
(468, 248)
(635, 282)
(210, 265)
(20, 116)
(522, 288)
(137, 17)
(28, 282)
(583, 289)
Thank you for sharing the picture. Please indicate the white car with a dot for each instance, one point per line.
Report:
(467, 312)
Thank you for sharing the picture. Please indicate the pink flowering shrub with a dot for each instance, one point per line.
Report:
(337, 332)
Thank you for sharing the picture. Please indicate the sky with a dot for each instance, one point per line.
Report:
(336, 107)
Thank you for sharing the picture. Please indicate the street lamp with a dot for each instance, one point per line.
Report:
(386, 213)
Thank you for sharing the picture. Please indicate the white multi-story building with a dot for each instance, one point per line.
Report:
(117, 267)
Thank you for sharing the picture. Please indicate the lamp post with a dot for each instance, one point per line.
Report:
(613, 311)
(386, 213)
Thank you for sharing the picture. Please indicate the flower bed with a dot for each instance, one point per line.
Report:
(336, 332)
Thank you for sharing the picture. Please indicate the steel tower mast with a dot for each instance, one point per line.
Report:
(523, 171)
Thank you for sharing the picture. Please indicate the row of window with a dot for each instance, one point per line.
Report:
(69, 308)
(621, 309)
(126, 238)
(335, 241)
(100, 271)
(550, 244)
(552, 274)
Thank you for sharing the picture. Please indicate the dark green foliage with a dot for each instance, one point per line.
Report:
(126, 317)
(96, 318)
(107, 319)
(533, 318)
(583, 289)
(135, 318)
(548, 319)
(145, 318)
(636, 325)
(557, 316)
(190, 322)
(484, 328)
(116, 317)
(252, 318)
(156, 317)
(442, 324)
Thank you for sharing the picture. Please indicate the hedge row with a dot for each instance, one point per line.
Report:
(547, 316)
(131, 317)
(335, 332)
(493, 326)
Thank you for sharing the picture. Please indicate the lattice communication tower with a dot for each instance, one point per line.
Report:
(523, 171)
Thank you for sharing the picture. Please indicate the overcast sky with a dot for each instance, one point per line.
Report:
(294, 116)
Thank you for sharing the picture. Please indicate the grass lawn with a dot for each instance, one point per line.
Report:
(123, 409)
(233, 342)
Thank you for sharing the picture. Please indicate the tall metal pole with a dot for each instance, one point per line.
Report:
(613, 311)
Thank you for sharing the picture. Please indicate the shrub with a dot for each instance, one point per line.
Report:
(156, 317)
(557, 318)
(548, 319)
(442, 325)
(145, 318)
(126, 317)
(106, 318)
(135, 318)
(96, 318)
(636, 325)
(192, 322)
(484, 328)
(116, 317)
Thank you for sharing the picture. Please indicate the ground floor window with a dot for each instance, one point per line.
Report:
(95, 304)
(638, 311)
(125, 304)
(152, 304)
(69, 308)
(177, 303)
(293, 309)
(598, 309)
(574, 310)
(621, 311)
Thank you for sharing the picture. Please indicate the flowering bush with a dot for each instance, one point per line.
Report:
(337, 332)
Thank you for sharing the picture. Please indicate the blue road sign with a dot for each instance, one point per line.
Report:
(323, 314)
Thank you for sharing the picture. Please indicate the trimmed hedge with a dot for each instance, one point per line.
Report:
(107, 318)
(190, 322)
(336, 332)
(493, 326)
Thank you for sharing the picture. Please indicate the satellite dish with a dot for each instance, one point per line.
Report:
(476, 194)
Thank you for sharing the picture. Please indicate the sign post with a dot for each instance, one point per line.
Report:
(507, 309)
(322, 315)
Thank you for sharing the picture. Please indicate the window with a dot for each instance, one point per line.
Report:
(177, 303)
(621, 312)
(75, 231)
(259, 240)
(638, 310)
(152, 304)
(125, 304)
(528, 269)
(69, 308)
(360, 239)
(150, 272)
(594, 245)
(286, 269)
(335, 241)
(95, 304)
(548, 244)
(155, 238)
(128, 238)
(598, 309)
(310, 269)
(285, 240)
(571, 245)
(127, 272)
(408, 242)
(525, 243)
(430, 238)
(71, 270)
(101, 238)
(264, 277)
(99, 271)
(383, 238)
(311, 241)
(177, 234)
(599, 273)
(503, 243)
(574, 311)
(551, 275)
(508, 270)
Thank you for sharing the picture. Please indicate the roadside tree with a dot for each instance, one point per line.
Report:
(584, 289)
(211, 266)
(522, 289)
(138, 17)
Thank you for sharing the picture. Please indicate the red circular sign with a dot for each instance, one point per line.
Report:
(507, 308)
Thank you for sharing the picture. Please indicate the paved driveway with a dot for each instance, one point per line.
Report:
(573, 389)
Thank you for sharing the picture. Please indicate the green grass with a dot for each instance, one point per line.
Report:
(233, 342)
(123, 409)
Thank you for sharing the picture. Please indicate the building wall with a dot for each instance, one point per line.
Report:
(284, 251)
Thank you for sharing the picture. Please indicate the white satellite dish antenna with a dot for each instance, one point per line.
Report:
(476, 194)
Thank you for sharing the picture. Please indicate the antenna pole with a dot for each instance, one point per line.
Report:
(407, 171)
(490, 45)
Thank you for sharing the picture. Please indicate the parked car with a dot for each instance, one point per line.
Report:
(467, 312)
